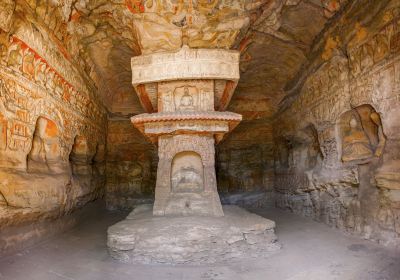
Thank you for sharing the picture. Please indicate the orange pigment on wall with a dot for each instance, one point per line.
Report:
(51, 129)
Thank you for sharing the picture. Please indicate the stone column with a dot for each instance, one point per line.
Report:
(180, 93)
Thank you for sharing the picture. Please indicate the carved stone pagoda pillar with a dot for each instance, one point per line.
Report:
(184, 95)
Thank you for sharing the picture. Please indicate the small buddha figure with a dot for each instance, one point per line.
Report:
(28, 67)
(186, 102)
(40, 75)
(50, 80)
(15, 57)
(187, 179)
(356, 145)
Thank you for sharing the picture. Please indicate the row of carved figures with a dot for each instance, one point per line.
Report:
(22, 59)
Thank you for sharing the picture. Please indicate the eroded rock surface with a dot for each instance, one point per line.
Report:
(318, 93)
(337, 140)
(52, 123)
(131, 166)
(144, 238)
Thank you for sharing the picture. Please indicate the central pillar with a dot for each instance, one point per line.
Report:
(185, 95)
(184, 98)
(186, 181)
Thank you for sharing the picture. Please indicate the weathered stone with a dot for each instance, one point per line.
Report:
(183, 123)
(144, 238)
(321, 110)
(52, 123)
(350, 102)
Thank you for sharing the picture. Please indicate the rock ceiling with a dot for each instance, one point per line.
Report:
(273, 36)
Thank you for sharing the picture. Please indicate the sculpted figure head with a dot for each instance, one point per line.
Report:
(353, 123)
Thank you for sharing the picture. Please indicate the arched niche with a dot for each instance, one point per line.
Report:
(99, 159)
(360, 134)
(100, 153)
(187, 174)
(45, 154)
(81, 156)
(80, 152)
(299, 151)
(309, 154)
(282, 150)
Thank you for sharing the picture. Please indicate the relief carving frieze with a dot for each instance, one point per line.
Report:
(22, 102)
(373, 51)
(185, 64)
(25, 60)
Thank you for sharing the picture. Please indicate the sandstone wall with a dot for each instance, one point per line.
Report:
(337, 148)
(52, 125)
(244, 164)
(245, 161)
(131, 166)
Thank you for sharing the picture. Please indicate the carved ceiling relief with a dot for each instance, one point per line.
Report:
(92, 27)
(214, 24)
(374, 50)
(119, 30)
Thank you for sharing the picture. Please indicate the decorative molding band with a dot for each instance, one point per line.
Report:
(186, 64)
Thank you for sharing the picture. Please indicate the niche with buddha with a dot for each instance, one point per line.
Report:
(187, 173)
(45, 153)
(361, 135)
(186, 96)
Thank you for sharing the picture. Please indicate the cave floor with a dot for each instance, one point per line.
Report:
(311, 251)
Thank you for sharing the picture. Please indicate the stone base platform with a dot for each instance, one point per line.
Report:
(146, 239)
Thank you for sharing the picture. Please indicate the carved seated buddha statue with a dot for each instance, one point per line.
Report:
(186, 102)
(355, 144)
(187, 179)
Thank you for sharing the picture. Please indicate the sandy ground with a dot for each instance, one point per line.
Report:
(310, 251)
